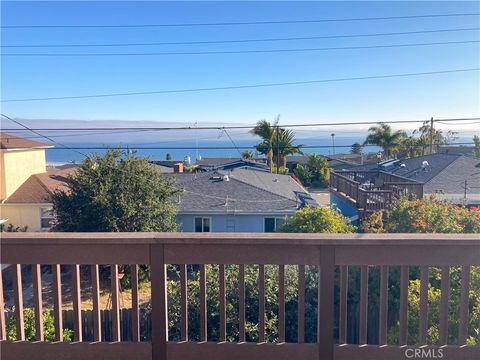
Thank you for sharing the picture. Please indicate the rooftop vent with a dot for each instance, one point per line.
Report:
(425, 165)
(226, 178)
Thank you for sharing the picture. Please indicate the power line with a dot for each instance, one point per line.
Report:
(240, 40)
(222, 127)
(133, 147)
(261, 51)
(252, 86)
(267, 22)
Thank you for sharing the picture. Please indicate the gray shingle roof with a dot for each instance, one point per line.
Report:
(245, 191)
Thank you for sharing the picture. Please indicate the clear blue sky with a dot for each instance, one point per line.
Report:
(451, 95)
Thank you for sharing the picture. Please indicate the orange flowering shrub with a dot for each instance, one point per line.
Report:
(429, 215)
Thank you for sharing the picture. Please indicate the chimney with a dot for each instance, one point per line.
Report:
(178, 168)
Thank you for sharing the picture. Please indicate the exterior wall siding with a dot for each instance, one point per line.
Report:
(23, 215)
(226, 223)
(18, 166)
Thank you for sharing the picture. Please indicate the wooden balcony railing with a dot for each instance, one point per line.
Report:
(373, 190)
(332, 256)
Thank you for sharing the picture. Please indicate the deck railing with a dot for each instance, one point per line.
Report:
(330, 254)
(373, 189)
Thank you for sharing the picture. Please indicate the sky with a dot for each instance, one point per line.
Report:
(441, 96)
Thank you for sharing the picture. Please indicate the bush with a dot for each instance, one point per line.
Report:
(317, 220)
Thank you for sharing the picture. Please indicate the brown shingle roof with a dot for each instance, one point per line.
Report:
(38, 187)
(8, 141)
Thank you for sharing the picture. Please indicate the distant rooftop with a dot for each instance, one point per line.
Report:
(11, 142)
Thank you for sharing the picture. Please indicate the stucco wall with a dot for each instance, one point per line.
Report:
(23, 214)
(17, 166)
(226, 223)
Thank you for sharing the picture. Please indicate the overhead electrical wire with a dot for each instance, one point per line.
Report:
(227, 52)
(236, 87)
(229, 41)
(264, 22)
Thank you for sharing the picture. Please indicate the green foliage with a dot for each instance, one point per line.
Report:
(247, 154)
(356, 148)
(116, 192)
(476, 147)
(315, 172)
(424, 216)
(12, 228)
(29, 321)
(282, 170)
(382, 135)
(317, 220)
(168, 156)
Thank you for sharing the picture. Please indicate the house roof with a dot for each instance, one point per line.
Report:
(245, 191)
(166, 163)
(10, 142)
(222, 163)
(38, 187)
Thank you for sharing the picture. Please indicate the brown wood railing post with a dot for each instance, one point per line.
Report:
(37, 294)
(3, 335)
(135, 304)
(18, 294)
(159, 302)
(326, 302)
(57, 301)
(97, 322)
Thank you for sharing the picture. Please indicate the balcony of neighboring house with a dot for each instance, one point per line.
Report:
(371, 190)
(312, 301)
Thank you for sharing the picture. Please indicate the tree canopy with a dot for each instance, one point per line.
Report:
(116, 192)
(317, 220)
(382, 135)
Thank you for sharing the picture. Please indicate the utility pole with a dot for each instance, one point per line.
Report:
(465, 187)
(333, 142)
(431, 136)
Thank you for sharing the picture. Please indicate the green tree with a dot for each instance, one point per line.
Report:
(317, 220)
(356, 148)
(476, 146)
(315, 172)
(411, 146)
(266, 131)
(12, 228)
(168, 156)
(284, 146)
(115, 192)
(247, 154)
(382, 135)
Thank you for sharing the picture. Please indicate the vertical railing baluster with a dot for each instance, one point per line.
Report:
(37, 298)
(326, 286)
(403, 305)
(463, 325)
(57, 301)
(281, 303)
(18, 294)
(203, 304)
(241, 303)
(115, 302)
(159, 302)
(301, 304)
(261, 303)
(423, 311)
(342, 331)
(183, 303)
(135, 304)
(77, 308)
(97, 324)
(3, 327)
(223, 320)
(383, 313)
(444, 296)
(363, 304)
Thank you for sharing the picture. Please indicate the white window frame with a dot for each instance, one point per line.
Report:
(276, 218)
(42, 217)
(202, 217)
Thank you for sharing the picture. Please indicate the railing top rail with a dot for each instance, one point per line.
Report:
(375, 191)
(404, 179)
(344, 178)
(235, 239)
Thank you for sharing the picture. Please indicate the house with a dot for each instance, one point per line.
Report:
(359, 190)
(26, 183)
(237, 200)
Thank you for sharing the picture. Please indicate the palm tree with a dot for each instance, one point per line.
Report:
(383, 136)
(247, 154)
(284, 146)
(267, 132)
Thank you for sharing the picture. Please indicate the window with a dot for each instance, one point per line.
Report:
(271, 224)
(202, 224)
(46, 218)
